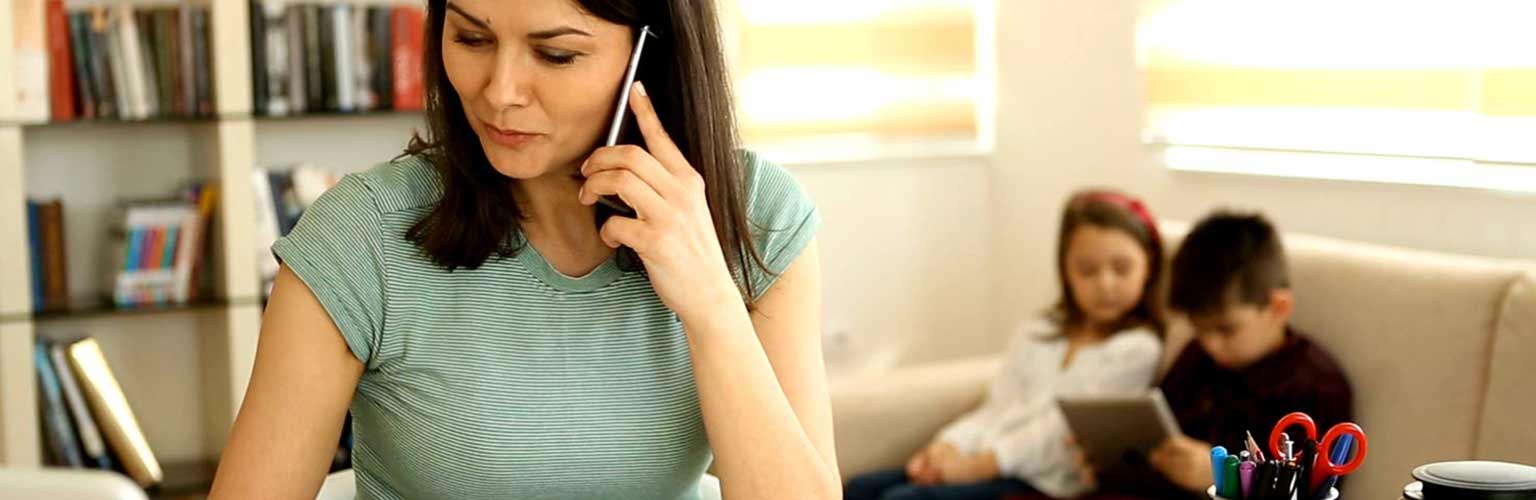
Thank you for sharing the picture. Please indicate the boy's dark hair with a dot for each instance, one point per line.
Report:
(1111, 210)
(1227, 256)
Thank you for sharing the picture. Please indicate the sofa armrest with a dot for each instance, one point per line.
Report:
(880, 419)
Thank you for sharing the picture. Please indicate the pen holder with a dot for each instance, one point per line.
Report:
(1333, 494)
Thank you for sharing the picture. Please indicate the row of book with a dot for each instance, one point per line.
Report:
(282, 193)
(335, 57)
(45, 238)
(117, 62)
(162, 249)
(86, 420)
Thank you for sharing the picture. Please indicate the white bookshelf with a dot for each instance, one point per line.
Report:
(183, 370)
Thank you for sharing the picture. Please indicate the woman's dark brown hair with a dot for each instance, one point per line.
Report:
(685, 76)
(1112, 210)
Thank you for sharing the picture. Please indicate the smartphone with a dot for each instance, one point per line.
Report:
(621, 112)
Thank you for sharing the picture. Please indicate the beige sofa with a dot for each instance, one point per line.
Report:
(1441, 351)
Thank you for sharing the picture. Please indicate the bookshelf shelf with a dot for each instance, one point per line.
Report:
(101, 308)
(205, 120)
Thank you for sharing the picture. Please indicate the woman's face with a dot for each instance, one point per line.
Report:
(538, 79)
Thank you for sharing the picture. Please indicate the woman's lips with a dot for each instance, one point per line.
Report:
(511, 138)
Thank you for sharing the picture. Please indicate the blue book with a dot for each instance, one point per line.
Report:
(35, 242)
(59, 431)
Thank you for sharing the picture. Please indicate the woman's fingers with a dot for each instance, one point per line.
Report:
(636, 160)
(656, 139)
(623, 231)
(648, 204)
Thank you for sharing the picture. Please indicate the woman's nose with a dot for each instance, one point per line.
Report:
(510, 84)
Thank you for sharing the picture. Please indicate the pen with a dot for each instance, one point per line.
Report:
(1285, 482)
(1340, 454)
(1264, 480)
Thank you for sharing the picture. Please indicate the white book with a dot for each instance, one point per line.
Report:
(266, 226)
(132, 62)
(362, 59)
(342, 41)
(85, 425)
(115, 58)
(277, 56)
(186, 246)
(30, 57)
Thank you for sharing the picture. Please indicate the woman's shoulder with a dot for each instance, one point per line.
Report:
(771, 189)
(400, 184)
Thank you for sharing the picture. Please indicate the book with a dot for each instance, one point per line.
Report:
(203, 61)
(258, 33)
(79, 30)
(206, 196)
(91, 443)
(343, 60)
(50, 217)
(29, 54)
(187, 56)
(325, 30)
(132, 61)
(112, 412)
(104, 83)
(165, 66)
(266, 228)
(117, 61)
(58, 431)
(407, 31)
(293, 17)
(362, 60)
(275, 40)
(147, 59)
(313, 81)
(61, 64)
(35, 248)
(380, 45)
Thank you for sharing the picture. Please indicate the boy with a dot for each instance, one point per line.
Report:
(1247, 367)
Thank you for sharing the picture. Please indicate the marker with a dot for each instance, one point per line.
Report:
(1218, 465)
(1245, 472)
(1231, 486)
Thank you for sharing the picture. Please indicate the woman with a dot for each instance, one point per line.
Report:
(483, 329)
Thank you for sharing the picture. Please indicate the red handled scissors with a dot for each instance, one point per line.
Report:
(1322, 464)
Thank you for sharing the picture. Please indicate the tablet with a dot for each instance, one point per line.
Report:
(1118, 432)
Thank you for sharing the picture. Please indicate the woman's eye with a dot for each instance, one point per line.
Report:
(471, 41)
(559, 58)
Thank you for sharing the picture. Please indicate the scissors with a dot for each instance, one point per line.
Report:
(1323, 465)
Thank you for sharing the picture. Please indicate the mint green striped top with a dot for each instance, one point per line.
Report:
(513, 380)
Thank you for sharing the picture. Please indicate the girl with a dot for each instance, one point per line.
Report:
(1104, 336)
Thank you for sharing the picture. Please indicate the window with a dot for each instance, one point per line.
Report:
(861, 71)
(1364, 89)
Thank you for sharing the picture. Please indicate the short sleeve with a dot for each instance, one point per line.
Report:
(782, 217)
(336, 250)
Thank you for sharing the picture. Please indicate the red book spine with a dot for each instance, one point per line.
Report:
(408, 25)
(61, 69)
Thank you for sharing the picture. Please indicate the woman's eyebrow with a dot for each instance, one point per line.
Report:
(484, 24)
(557, 32)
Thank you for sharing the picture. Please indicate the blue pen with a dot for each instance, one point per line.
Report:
(1339, 455)
(1218, 464)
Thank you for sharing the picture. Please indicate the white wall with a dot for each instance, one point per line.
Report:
(1070, 116)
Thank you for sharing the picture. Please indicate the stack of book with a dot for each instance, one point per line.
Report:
(50, 276)
(86, 420)
(282, 193)
(115, 62)
(162, 249)
(334, 57)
